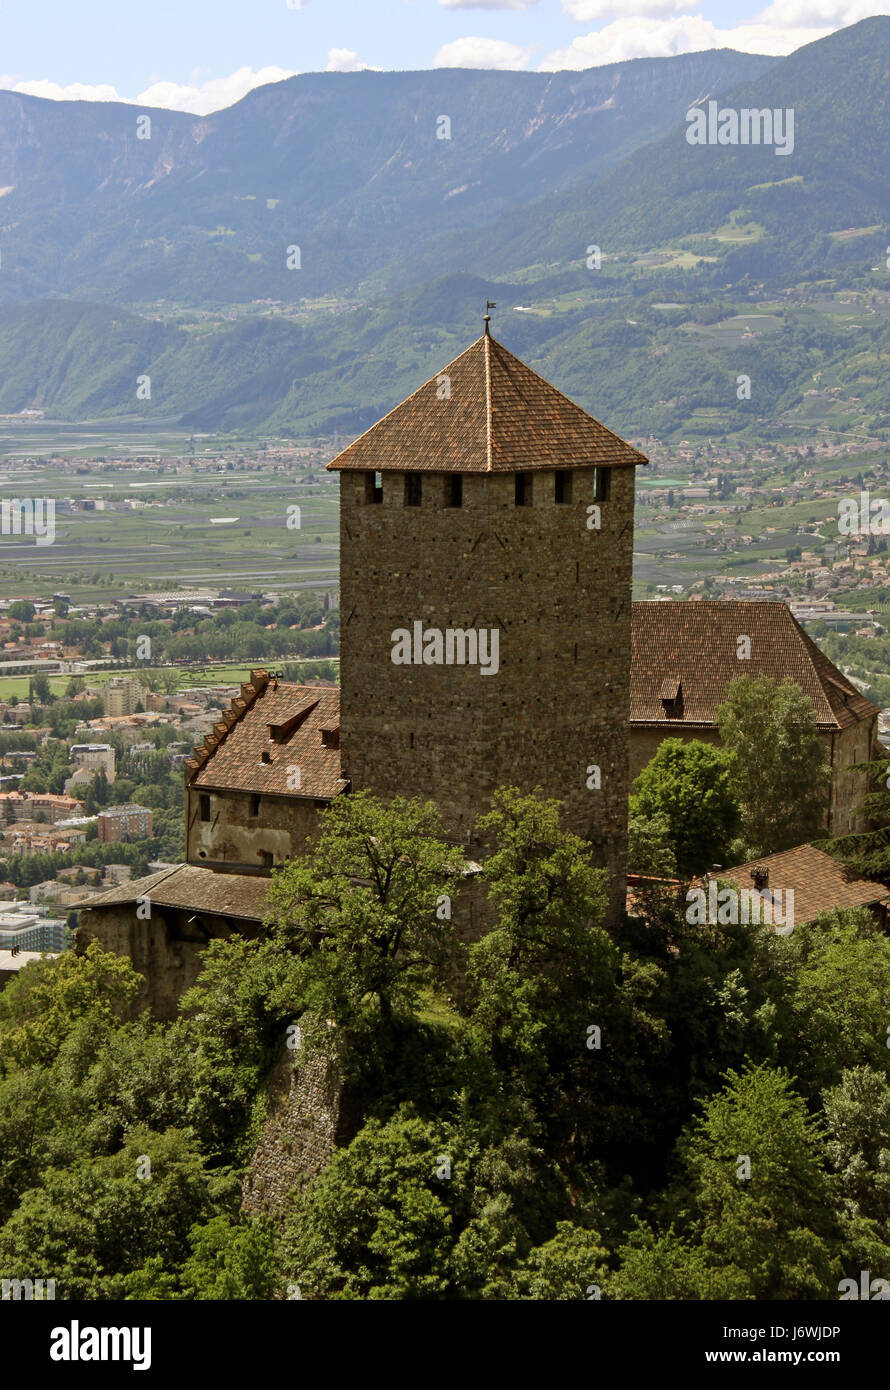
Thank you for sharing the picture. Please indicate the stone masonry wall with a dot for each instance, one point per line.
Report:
(165, 949)
(234, 839)
(560, 595)
(304, 1124)
(846, 798)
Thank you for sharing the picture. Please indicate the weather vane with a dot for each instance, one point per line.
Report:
(489, 304)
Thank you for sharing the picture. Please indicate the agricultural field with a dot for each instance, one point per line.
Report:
(164, 517)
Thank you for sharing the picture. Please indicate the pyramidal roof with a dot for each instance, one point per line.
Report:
(486, 412)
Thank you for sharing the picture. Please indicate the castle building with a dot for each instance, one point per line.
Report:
(256, 785)
(684, 657)
(486, 549)
(486, 541)
(487, 639)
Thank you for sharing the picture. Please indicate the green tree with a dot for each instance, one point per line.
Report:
(42, 1004)
(857, 1119)
(380, 1221)
(689, 785)
(361, 911)
(830, 988)
(100, 1219)
(757, 1172)
(232, 1261)
(779, 763)
(571, 1265)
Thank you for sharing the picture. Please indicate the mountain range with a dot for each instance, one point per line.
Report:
(152, 242)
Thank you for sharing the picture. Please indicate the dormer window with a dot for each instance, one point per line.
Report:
(330, 735)
(280, 730)
(672, 698)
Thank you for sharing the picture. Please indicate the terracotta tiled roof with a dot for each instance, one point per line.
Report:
(284, 722)
(498, 416)
(195, 889)
(695, 645)
(820, 882)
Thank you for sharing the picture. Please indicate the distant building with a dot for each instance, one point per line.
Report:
(129, 822)
(41, 807)
(94, 756)
(118, 873)
(121, 696)
(14, 960)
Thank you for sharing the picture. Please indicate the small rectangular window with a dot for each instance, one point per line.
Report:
(255, 804)
(562, 486)
(602, 484)
(268, 858)
(205, 806)
(523, 485)
(413, 489)
(454, 490)
(373, 487)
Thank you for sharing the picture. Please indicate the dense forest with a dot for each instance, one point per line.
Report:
(552, 1112)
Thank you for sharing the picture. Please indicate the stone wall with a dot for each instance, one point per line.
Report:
(559, 595)
(166, 948)
(307, 1119)
(849, 789)
(236, 837)
(845, 803)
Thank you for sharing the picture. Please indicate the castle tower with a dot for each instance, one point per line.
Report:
(486, 535)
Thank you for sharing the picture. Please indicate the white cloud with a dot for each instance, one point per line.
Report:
(212, 95)
(663, 38)
(487, 4)
(482, 53)
(200, 100)
(53, 91)
(586, 10)
(833, 14)
(344, 60)
(655, 29)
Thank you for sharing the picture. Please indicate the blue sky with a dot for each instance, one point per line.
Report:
(201, 55)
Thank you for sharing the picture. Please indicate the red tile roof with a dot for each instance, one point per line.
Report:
(694, 646)
(499, 416)
(820, 883)
(283, 720)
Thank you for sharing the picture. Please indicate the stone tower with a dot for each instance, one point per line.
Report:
(486, 535)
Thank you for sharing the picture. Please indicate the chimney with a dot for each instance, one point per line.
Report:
(266, 756)
(761, 878)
